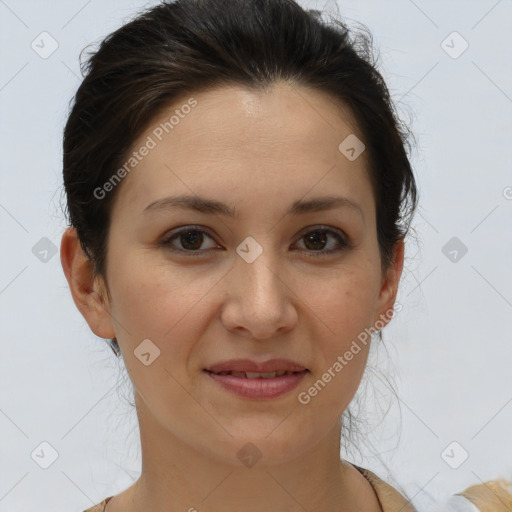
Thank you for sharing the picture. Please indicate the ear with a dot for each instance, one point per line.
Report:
(389, 287)
(89, 294)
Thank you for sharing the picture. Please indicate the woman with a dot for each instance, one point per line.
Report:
(244, 321)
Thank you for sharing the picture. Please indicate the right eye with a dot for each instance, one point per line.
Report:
(190, 239)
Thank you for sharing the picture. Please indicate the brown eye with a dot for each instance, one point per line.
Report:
(316, 241)
(190, 240)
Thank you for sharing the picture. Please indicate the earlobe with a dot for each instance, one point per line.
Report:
(88, 293)
(389, 288)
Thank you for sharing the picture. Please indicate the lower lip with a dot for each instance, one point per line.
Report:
(258, 388)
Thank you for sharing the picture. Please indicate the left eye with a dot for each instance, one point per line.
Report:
(320, 237)
(191, 240)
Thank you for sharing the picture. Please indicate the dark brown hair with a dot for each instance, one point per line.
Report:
(181, 47)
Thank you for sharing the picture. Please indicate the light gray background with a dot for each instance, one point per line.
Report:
(450, 348)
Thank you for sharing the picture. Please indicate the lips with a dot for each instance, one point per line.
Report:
(264, 388)
(257, 380)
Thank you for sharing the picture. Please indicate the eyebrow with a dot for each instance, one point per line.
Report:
(212, 206)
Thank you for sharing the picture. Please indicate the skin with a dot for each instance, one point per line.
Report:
(259, 152)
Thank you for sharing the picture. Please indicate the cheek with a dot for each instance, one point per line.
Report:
(169, 308)
(344, 311)
(343, 306)
(152, 301)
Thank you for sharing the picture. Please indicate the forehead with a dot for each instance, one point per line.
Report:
(283, 141)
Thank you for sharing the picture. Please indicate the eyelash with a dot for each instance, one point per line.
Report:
(315, 254)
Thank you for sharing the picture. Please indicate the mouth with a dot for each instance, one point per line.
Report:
(249, 380)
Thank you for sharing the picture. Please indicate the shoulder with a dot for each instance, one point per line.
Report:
(391, 500)
(100, 507)
(490, 496)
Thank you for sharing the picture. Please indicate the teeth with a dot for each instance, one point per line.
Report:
(257, 375)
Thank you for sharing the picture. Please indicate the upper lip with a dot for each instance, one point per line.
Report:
(247, 365)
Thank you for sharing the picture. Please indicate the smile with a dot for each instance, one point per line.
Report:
(256, 385)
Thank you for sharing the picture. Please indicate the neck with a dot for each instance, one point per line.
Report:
(177, 477)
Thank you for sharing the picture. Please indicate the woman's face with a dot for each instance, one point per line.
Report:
(281, 279)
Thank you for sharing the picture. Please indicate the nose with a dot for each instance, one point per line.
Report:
(260, 304)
